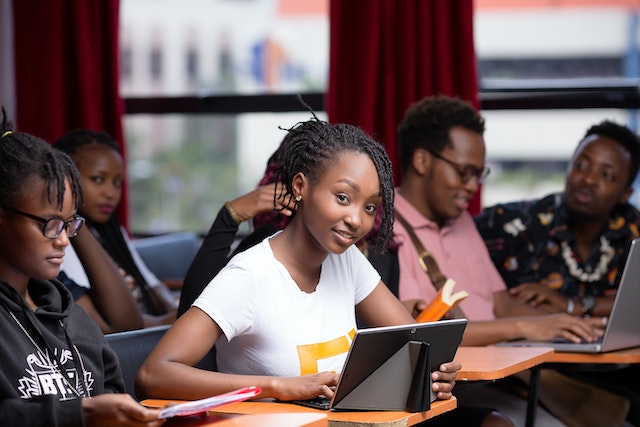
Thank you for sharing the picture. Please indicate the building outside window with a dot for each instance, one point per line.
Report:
(183, 165)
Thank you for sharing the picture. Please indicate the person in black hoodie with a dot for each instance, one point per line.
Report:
(57, 369)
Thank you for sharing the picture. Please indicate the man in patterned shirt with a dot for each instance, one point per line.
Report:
(565, 252)
(575, 242)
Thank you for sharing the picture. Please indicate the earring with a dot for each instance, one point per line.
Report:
(298, 198)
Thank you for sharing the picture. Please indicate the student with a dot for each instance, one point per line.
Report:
(99, 161)
(270, 210)
(297, 287)
(565, 252)
(574, 242)
(108, 301)
(56, 366)
(442, 155)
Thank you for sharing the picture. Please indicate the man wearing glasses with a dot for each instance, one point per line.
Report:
(442, 160)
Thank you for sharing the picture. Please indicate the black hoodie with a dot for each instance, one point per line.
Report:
(33, 391)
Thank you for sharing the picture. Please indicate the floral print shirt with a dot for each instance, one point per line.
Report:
(530, 241)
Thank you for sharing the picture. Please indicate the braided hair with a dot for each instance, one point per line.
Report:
(25, 157)
(313, 146)
(110, 232)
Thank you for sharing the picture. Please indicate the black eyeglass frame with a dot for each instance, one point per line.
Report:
(466, 172)
(62, 224)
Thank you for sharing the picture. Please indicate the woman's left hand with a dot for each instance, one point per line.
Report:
(445, 379)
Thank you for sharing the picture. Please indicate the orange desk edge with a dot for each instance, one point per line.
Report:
(493, 363)
(336, 418)
(250, 420)
(629, 355)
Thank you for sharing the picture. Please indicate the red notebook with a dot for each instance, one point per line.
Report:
(203, 405)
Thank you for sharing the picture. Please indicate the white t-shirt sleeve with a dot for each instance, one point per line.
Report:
(365, 276)
(229, 300)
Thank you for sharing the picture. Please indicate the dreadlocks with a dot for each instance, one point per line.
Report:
(24, 157)
(313, 146)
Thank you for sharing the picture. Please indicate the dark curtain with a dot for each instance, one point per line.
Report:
(387, 54)
(66, 56)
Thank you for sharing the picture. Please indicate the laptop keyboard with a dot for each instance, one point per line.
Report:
(320, 402)
(566, 341)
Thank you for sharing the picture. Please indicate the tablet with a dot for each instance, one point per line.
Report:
(389, 368)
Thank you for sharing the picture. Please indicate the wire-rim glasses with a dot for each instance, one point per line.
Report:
(466, 172)
(52, 227)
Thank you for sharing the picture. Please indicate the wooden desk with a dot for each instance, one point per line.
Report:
(251, 420)
(579, 361)
(335, 419)
(620, 357)
(493, 363)
(478, 364)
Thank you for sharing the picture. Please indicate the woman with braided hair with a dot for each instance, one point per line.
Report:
(298, 286)
(57, 369)
(99, 161)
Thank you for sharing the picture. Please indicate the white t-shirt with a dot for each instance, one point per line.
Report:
(273, 328)
(75, 271)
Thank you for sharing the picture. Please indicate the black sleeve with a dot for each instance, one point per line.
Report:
(387, 266)
(214, 253)
(209, 260)
(44, 411)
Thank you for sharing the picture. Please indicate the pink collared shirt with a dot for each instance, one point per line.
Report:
(461, 255)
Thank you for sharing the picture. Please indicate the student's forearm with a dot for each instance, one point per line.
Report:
(602, 308)
(490, 332)
(109, 292)
(506, 305)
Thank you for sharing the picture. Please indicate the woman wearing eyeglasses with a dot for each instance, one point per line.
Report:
(56, 367)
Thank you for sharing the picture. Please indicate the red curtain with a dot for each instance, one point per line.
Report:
(66, 56)
(387, 54)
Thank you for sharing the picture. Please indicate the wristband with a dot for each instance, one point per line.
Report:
(234, 215)
(570, 305)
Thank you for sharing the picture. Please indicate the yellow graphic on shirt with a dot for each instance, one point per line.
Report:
(309, 354)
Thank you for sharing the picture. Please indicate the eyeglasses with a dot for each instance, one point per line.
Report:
(52, 227)
(466, 172)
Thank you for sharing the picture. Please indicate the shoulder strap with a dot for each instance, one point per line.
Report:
(425, 258)
(429, 265)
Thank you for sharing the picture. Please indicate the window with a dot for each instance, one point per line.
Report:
(547, 74)
(182, 166)
(203, 117)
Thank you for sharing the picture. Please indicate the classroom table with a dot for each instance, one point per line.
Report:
(478, 364)
(250, 420)
(489, 363)
(334, 418)
(580, 361)
(619, 357)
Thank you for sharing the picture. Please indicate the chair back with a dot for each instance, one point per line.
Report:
(132, 348)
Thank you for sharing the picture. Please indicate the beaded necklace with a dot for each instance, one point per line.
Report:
(606, 255)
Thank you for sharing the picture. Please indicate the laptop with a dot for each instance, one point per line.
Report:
(389, 368)
(623, 328)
